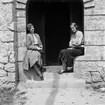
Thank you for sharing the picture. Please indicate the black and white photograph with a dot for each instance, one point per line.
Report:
(52, 52)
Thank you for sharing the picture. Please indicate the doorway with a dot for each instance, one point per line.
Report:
(52, 22)
(57, 30)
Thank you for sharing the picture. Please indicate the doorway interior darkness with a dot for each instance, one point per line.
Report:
(51, 21)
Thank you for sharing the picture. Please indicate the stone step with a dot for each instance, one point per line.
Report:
(52, 68)
(27, 75)
(54, 80)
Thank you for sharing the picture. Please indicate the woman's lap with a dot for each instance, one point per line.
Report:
(67, 55)
(34, 57)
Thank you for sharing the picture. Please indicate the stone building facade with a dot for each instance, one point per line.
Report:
(91, 66)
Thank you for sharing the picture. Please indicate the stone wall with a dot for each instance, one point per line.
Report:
(7, 53)
(21, 27)
(91, 66)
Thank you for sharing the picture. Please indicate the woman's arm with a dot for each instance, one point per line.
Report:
(40, 45)
(29, 43)
(78, 40)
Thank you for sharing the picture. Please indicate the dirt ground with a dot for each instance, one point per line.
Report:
(63, 92)
(68, 96)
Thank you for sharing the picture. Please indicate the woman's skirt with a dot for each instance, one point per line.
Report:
(31, 58)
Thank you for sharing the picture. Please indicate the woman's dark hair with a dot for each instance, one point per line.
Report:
(29, 26)
(74, 24)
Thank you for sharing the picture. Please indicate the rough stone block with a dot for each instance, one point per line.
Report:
(7, 52)
(22, 1)
(12, 57)
(2, 23)
(10, 47)
(4, 82)
(103, 53)
(10, 67)
(94, 23)
(93, 12)
(21, 53)
(3, 58)
(22, 39)
(21, 25)
(88, 78)
(6, 12)
(89, 11)
(21, 13)
(5, 9)
(92, 53)
(6, 36)
(3, 47)
(8, 18)
(21, 72)
(94, 37)
(20, 66)
(5, 15)
(96, 77)
(82, 67)
(1, 66)
(11, 26)
(21, 20)
(11, 77)
(3, 73)
(99, 4)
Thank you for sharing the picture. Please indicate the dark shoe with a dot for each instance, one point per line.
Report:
(42, 78)
(43, 69)
(69, 70)
(61, 71)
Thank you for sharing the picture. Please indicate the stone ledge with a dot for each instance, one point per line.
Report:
(89, 4)
(92, 53)
(22, 1)
(20, 6)
(7, 1)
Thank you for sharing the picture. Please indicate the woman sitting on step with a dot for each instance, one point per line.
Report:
(66, 56)
(33, 57)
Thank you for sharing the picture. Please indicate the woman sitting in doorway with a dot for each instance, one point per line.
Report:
(33, 57)
(66, 56)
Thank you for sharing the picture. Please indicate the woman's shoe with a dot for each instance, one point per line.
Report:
(61, 71)
(69, 69)
(42, 78)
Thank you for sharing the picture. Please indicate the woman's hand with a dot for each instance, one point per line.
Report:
(70, 48)
(38, 48)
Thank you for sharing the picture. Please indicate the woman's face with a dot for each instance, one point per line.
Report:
(73, 29)
(32, 29)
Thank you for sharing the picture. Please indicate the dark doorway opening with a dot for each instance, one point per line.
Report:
(52, 22)
(57, 29)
